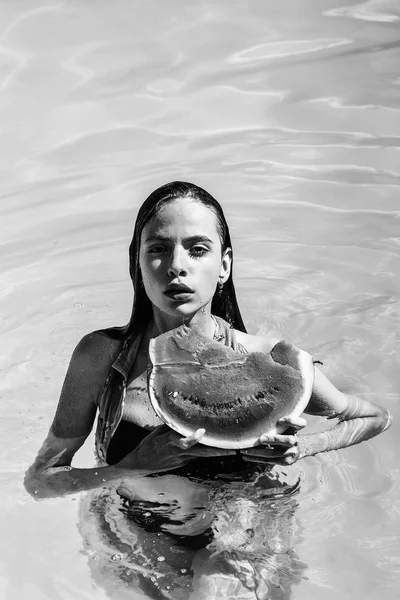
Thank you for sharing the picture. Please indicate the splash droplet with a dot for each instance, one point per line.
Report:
(116, 557)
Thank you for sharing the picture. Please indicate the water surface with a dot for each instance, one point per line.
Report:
(288, 112)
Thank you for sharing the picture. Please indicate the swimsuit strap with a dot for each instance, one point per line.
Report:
(111, 399)
(225, 334)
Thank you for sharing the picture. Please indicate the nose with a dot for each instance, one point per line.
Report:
(177, 266)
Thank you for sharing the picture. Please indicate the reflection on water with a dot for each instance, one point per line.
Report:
(237, 540)
(288, 112)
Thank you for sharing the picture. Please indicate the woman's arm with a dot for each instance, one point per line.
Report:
(51, 473)
(359, 419)
(162, 450)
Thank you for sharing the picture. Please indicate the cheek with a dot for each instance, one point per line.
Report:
(211, 273)
(153, 279)
(154, 265)
(150, 268)
(213, 266)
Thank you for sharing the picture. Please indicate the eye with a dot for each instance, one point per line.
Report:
(198, 251)
(157, 249)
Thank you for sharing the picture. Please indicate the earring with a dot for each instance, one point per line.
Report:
(220, 287)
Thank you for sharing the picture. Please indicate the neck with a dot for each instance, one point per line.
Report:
(202, 320)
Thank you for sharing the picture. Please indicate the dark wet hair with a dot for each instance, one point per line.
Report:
(224, 304)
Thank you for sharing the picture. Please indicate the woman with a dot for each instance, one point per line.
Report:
(181, 269)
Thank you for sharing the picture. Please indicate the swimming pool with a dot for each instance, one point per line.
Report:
(288, 112)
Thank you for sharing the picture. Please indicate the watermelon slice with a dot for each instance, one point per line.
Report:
(195, 382)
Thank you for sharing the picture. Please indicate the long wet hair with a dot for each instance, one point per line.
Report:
(224, 303)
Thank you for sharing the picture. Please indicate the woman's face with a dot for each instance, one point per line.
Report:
(180, 258)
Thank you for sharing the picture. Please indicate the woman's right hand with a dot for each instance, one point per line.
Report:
(164, 449)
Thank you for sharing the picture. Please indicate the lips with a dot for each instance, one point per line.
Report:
(179, 291)
(179, 287)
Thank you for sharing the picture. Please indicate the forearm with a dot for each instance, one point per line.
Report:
(51, 482)
(345, 433)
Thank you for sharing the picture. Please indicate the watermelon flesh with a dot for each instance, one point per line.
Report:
(195, 382)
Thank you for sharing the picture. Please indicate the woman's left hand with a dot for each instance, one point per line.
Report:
(279, 449)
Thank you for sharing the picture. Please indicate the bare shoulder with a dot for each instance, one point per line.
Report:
(95, 352)
(87, 372)
(256, 343)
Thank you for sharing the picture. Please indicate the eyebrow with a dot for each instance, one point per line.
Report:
(190, 239)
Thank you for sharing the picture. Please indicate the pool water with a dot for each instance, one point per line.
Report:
(289, 113)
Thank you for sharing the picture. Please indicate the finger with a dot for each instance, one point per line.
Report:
(270, 452)
(191, 439)
(288, 460)
(263, 455)
(295, 422)
(209, 451)
(259, 459)
(278, 440)
(255, 455)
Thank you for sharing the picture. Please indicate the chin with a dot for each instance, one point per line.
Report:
(183, 311)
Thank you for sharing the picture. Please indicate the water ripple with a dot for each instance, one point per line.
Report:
(282, 49)
(287, 112)
(380, 11)
(295, 137)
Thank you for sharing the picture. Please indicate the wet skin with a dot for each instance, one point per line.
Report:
(181, 261)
